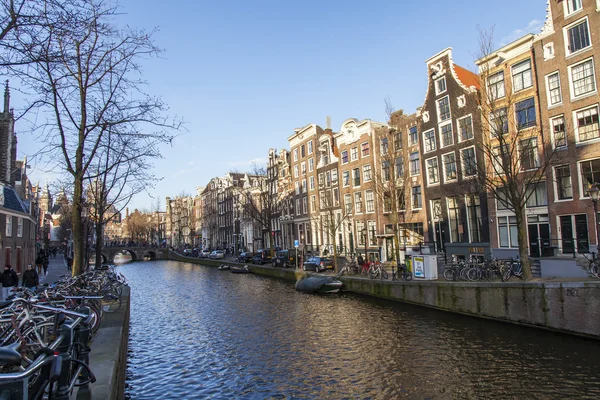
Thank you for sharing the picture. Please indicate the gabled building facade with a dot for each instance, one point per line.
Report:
(567, 58)
(450, 160)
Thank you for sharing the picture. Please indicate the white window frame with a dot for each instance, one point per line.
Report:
(569, 10)
(555, 178)
(412, 206)
(549, 91)
(568, 52)
(311, 164)
(369, 199)
(342, 157)
(462, 163)
(311, 183)
(571, 83)
(362, 149)
(434, 148)
(576, 124)
(9, 219)
(429, 183)
(309, 146)
(296, 171)
(313, 203)
(348, 204)
(512, 75)
(303, 168)
(296, 154)
(304, 186)
(552, 133)
(495, 92)
(537, 161)
(354, 154)
(358, 195)
(583, 194)
(297, 187)
(440, 128)
(19, 227)
(437, 89)
(455, 167)
(437, 107)
(367, 173)
(459, 133)
(344, 175)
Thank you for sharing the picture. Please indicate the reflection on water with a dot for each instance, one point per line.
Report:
(201, 333)
(122, 258)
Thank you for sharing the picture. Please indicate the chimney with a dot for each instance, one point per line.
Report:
(328, 124)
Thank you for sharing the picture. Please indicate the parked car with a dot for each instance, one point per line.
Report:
(216, 254)
(187, 252)
(317, 264)
(204, 253)
(245, 257)
(284, 258)
(261, 257)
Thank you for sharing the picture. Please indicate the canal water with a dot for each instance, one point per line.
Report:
(200, 333)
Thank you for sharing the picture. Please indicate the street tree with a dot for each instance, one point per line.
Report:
(516, 158)
(119, 172)
(390, 177)
(86, 76)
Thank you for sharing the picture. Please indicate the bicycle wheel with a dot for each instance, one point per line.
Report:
(111, 302)
(506, 274)
(448, 274)
(384, 274)
(373, 274)
(408, 276)
(595, 268)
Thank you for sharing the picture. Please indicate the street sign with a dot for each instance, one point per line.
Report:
(296, 244)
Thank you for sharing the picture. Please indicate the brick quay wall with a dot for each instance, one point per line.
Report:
(567, 307)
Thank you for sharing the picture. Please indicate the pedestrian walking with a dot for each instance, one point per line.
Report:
(70, 263)
(30, 279)
(9, 281)
(39, 263)
(46, 262)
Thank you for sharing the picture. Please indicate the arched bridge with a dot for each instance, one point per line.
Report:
(136, 253)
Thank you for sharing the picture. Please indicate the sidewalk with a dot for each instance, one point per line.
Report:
(57, 267)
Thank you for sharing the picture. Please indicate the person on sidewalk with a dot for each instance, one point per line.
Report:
(30, 279)
(9, 281)
(46, 262)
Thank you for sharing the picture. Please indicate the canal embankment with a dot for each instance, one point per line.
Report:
(108, 358)
(567, 307)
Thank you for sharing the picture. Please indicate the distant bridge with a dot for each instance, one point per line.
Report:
(136, 253)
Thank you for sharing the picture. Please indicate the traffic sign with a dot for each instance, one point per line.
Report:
(296, 244)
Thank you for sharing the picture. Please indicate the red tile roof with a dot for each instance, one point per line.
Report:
(467, 77)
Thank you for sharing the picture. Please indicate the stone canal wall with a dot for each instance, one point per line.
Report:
(108, 358)
(568, 307)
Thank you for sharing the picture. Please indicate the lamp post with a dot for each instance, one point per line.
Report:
(593, 192)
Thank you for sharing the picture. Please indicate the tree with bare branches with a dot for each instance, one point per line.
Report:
(516, 155)
(86, 77)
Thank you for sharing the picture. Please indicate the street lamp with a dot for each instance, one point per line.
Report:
(593, 192)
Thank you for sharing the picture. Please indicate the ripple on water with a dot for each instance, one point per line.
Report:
(201, 333)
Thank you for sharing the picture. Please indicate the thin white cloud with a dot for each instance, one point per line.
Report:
(534, 26)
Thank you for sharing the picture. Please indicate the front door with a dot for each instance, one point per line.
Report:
(534, 243)
(581, 229)
(566, 234)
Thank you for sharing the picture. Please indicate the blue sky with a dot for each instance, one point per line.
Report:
(244, 74)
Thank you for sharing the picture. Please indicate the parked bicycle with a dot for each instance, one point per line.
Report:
(512, 268)
(350, 268)
(376, 269)
(402, 274)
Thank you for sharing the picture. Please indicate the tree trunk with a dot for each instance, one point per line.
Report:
(78, 233)
(523, 245)
(99, 240)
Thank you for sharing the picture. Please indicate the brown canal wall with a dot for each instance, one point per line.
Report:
(567, 307)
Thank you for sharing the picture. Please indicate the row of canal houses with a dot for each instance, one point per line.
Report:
(535, 100)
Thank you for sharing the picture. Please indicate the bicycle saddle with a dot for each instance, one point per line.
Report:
(10, 354)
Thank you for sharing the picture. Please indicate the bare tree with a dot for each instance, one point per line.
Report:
(389, 177)
(331, 215)
(119, 172)
(86, 74)
(511, 140)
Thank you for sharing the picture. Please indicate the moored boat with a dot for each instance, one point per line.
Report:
(318, 284)
(239, 270)
(223, 267)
